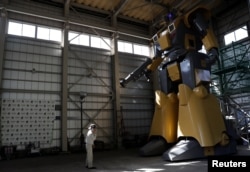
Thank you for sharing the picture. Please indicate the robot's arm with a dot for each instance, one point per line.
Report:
(136, 74)
(199, 19)
(145, 69)
(161, 43)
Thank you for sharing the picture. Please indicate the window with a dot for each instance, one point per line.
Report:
(29, 30)
(95, 42)
(128, 47)
(78, 39)
(15, 28)
(141, 50)
(73, 38)
(43, 33)
(55, 35)
(236, 35)
(49, 34)
(105, 43)
(100, 42)
(84, 40)
(125, 47)
(20, 29)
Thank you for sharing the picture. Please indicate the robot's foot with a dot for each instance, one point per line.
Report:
(154, 147)
(191, 149)
(184, 150)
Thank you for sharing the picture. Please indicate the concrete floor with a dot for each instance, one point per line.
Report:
(125, 160)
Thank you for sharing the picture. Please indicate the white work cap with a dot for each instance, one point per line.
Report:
(92, 126)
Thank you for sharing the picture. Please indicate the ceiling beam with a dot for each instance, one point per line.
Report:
(66, 7)
(120, 7)
(105, 12)
(72, 21)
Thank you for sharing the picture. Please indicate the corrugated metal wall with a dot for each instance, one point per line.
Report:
(137, 99)
(89, 71)
(32, 78)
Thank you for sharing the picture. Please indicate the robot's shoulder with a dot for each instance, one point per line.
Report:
(199, 9)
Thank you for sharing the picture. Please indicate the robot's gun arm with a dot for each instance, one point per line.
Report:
(137, 73)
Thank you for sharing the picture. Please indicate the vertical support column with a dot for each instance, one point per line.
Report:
(248, 23)
(116, 85)
(65, 52)
(116, 94)
(64, 118)
(3, 27)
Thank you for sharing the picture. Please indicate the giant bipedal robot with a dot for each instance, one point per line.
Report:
(187, 122)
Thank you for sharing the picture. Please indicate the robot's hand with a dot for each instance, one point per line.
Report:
(147, 74)
(132, 76)
(122, 82)
(213, 56)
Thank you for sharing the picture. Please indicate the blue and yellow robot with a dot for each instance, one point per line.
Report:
(187, 121)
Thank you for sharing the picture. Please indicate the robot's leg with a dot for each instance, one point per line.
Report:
(163, 131)
(201, 120)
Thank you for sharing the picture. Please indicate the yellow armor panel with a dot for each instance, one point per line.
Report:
(165, 116)
(164, 40)
(196, 117)
(209, 40)
(174, 71)
(155, 63)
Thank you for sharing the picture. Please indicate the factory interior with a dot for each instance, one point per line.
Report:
(165, 82)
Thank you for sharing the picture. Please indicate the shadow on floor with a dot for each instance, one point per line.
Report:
(123, 160)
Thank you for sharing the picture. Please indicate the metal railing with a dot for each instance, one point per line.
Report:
(239, 118)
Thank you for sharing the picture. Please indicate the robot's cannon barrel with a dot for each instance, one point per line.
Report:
(136, 74)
